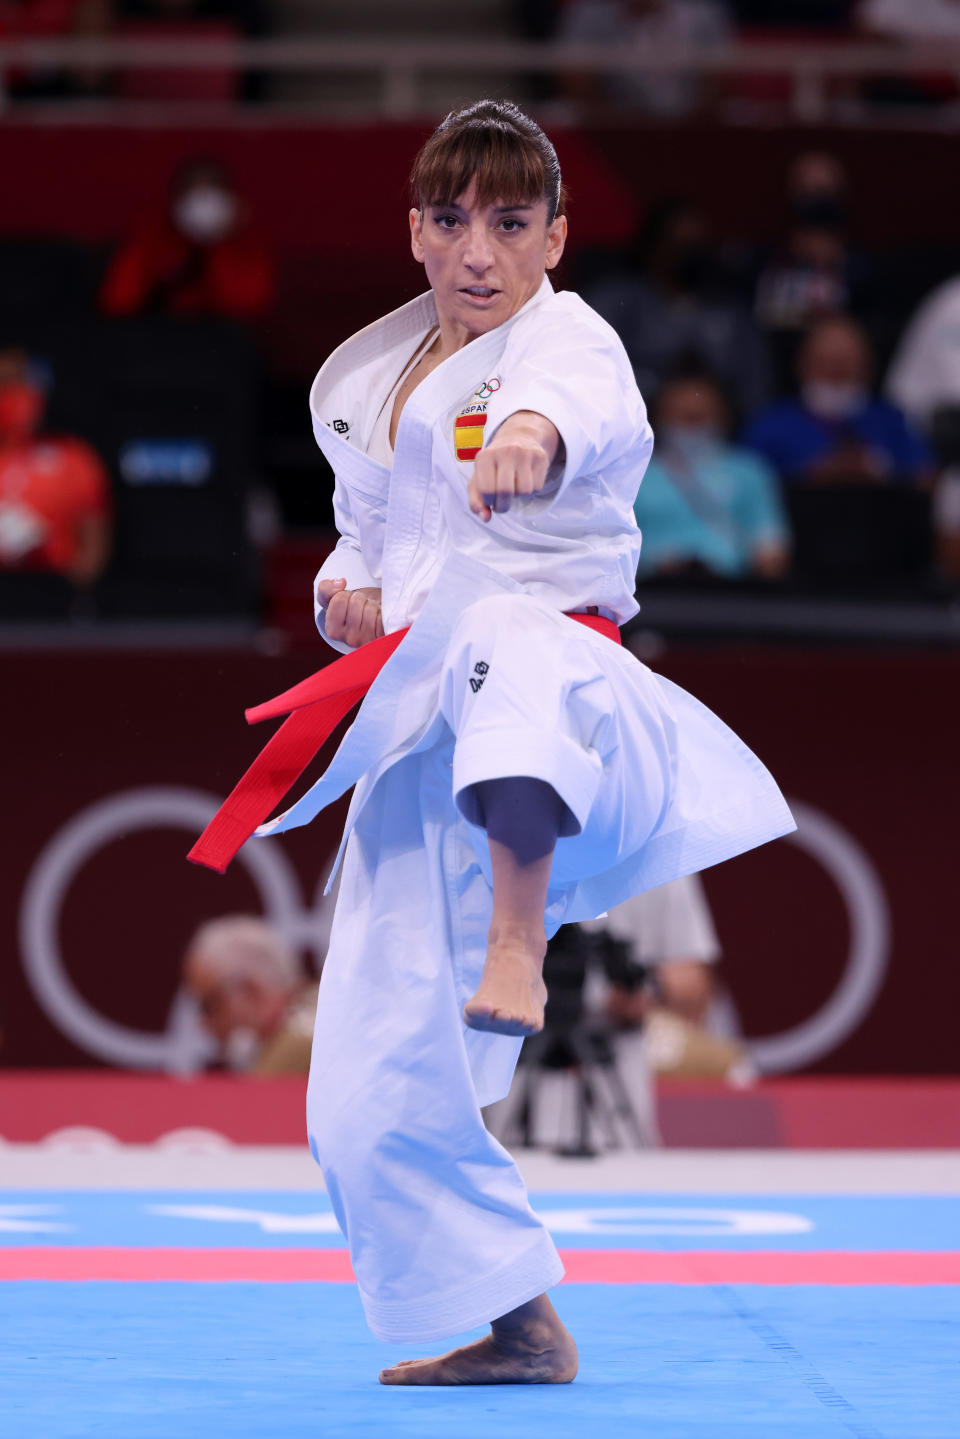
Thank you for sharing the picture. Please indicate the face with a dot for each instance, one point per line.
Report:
(686, 405)
(226, 1004)
(484, 264)
(837, 355)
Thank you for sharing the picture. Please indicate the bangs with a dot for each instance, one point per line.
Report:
(508, 167)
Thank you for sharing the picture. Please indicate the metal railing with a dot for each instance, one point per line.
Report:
(400, 65)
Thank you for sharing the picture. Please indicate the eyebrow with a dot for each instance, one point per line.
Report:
(497, 209)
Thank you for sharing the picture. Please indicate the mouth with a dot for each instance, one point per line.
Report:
(479, 294)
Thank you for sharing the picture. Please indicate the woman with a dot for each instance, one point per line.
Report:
(514, 767)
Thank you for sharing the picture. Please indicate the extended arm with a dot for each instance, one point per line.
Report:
(515, 462)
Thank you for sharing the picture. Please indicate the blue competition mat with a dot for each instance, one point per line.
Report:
(104, 1361)
(294, 1360)
(679, 1222)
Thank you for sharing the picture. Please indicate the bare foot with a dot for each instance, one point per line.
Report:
(536, 1349)
(511, 994)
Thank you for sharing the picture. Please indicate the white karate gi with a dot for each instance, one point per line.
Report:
(492, 680)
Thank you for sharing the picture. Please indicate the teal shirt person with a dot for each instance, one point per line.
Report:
(709, 504)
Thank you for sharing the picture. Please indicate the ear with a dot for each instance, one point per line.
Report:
(416, 234)
(556, 239)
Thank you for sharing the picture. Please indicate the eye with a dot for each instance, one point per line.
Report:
(512, 225)
(445, 222)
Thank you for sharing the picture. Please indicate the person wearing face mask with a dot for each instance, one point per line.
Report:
(54, 492)
(669, 301)
(836, 431)
(812, 271)
(706, 508)
(200, 258)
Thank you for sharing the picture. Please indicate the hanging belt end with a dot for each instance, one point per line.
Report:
(219, 843)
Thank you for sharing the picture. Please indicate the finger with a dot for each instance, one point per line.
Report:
(528, 479)
(353, 630)
(506, 485)
(337, 615)
(487, 469)
(326, 589)
(475, 499)
(368, 624)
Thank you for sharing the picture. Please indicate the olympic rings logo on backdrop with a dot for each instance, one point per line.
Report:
(488, 388)
(179, 1047)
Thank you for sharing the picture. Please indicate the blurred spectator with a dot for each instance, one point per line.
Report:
(706, 506)
(252, 995)
(668, 306)
(54, 492)
(836, 431)
(685, 1023)
(646, 26)
(201, 257)
(910, 19)
(904, 22)
(813, 272)
(924, 374)
(924, 380)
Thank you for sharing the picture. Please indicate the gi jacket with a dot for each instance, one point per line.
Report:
(410, 531)
(575, 544)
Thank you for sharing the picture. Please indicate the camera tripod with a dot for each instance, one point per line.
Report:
(579, 1045)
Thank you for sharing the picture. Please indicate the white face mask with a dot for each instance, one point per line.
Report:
(830, 401)
(689, 442)
(205, 213)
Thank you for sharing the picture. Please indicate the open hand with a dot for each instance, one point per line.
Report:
(353, 616)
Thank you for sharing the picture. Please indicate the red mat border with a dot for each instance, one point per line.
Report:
(818, 1112)
(583, 1266)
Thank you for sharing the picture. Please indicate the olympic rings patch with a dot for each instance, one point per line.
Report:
(488, 388)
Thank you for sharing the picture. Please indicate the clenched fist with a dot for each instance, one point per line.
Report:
(353, 616)
(514, 463)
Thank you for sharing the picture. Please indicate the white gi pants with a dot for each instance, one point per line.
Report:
(441, 1235)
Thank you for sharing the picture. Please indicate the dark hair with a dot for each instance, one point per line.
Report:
(496, 144)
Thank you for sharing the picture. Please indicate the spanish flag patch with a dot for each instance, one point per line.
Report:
(468, 435)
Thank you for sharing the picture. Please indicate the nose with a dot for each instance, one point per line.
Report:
(478, 253)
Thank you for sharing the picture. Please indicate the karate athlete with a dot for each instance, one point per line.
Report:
(514, 767)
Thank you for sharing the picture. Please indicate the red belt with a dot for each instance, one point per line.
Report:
(314, 708)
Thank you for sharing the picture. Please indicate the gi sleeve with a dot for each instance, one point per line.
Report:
(345, 561)
(575, 372)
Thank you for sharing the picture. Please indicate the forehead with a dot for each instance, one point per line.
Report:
(836, 339)
(690, 392)
(472, 198)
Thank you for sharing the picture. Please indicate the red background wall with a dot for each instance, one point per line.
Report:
(868, 738)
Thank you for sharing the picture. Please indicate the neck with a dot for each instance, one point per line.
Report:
(453, 336)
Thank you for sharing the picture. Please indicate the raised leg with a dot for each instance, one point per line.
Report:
(522, 819)
(530, 1345)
